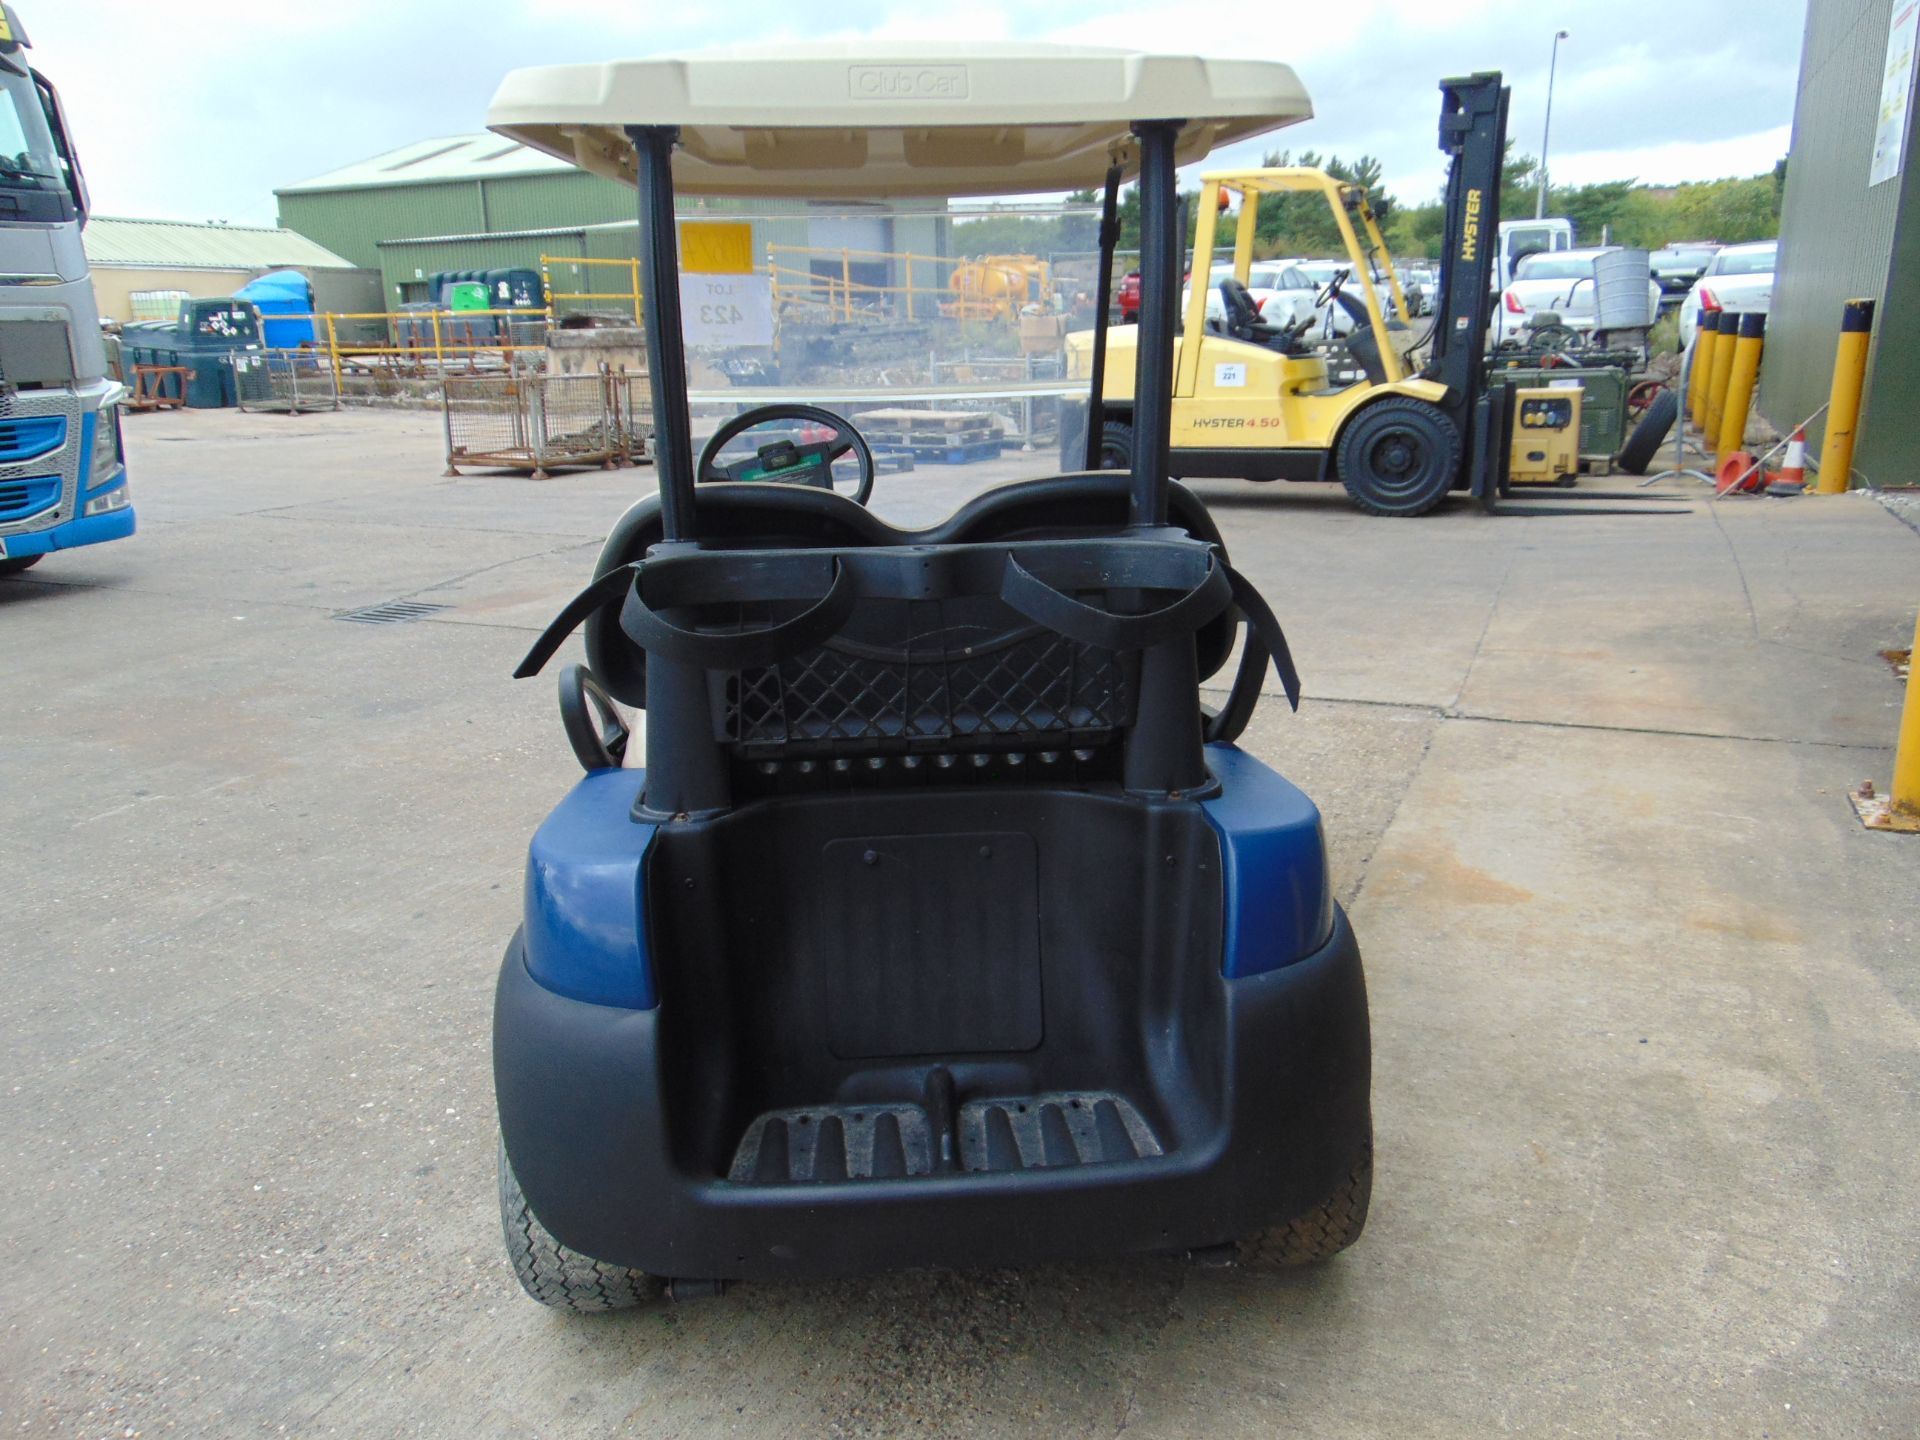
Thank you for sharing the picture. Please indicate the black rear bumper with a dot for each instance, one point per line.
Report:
(583, 1116)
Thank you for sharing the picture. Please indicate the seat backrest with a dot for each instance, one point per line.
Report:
(896, 665)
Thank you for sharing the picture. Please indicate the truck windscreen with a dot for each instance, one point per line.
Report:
(33, 183)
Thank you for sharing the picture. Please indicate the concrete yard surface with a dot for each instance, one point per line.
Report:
(1646, 997)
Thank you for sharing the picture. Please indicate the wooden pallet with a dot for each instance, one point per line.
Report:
(932, 422)
(942, 454)
(931, 440)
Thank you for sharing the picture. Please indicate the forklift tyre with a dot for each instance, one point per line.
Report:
(1116, 445)
(557, 1276)
(1321, 1233)
(20, 563)
(1399, 456)
(1644, 443)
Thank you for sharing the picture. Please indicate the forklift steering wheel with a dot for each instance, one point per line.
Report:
(808, 463)
(1332, 288)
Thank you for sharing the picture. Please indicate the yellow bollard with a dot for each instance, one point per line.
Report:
(333, 352)
(1744, 371)
(1720, 375)
(1906, 754)
(1901, 809)
(1843, 403)
(1706, 340)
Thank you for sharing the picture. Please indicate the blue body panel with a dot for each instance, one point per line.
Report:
(1279, 904)
(586, 872)
(586, 882)
(83, 529)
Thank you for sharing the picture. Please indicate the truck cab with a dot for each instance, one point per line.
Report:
(62, 479)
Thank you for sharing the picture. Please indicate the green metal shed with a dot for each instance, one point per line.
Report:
(1849, 229)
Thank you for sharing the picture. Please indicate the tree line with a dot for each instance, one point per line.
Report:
(1625, 212)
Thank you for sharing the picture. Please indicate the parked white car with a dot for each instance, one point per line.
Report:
(1278, 288)
(1281, 289)
(1560, 281)
(1738, 278)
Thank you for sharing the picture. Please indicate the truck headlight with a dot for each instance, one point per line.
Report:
(106, 447)
(114, 499)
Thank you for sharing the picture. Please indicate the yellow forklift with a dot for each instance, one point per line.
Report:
(1255, 401)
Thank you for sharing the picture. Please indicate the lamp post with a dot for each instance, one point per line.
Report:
(1540, 201)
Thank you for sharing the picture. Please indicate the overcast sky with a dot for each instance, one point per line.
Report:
(198, 110)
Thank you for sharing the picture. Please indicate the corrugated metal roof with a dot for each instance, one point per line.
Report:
(178, 245)
(450, 157)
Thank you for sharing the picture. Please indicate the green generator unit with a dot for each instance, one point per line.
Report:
(1603, 399)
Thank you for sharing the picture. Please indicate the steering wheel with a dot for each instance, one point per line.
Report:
(804, 463)
(1324, 296)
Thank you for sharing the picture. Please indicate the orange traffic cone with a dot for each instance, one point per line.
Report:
(1738, 471)
(1791, 478)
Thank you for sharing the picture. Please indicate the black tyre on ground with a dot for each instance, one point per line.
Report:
(557, 1276)
(1644, 443)
(1398, 456)
(1322, 1232)
(19, 563)
(1116, 445)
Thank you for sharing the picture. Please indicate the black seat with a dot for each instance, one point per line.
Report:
(785, 517)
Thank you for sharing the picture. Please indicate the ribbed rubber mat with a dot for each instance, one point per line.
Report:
(835, 1142)
(1086, 1127)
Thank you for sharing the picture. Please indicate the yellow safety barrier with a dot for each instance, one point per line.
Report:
(1899, 810)
(1745, 369)
(797, 285)
(628, 298)
(440, 334)
(1843, 404)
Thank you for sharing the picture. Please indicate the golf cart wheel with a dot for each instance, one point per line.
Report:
(1644, 443)
(1116, 445)
(1398, 456)
(557, 1276)
(19, 563)
(1323, 1232)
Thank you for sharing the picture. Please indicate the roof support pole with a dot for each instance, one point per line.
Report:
(1160, 246)
(686, 771)
(1103, 298)
(666, 356)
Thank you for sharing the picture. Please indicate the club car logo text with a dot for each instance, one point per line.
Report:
(907, 82)
(1470, 233)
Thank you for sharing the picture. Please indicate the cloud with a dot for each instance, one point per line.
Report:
(199, 111)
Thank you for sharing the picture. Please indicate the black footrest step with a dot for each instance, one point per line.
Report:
(894, 1142)
(1087, 1127)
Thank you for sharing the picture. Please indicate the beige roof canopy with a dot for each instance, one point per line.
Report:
(850, 120)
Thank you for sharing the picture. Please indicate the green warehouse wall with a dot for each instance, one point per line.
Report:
(1841, 237)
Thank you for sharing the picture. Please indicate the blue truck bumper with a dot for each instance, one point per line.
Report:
(91, 530)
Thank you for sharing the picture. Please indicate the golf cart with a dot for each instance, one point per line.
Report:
(942, 923)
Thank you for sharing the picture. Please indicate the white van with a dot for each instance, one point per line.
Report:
(1521, 238)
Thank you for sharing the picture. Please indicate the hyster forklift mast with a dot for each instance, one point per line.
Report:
(1473, 134)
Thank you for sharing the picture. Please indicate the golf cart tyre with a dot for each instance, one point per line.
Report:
(1323, 1232)
(557, 1276)
(1398, 457)
(19, 563)
(1644, 443)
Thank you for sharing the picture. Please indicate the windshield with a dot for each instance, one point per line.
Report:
(1554, 267)
(28, 159)
(1682, 257)
(1745, 262)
